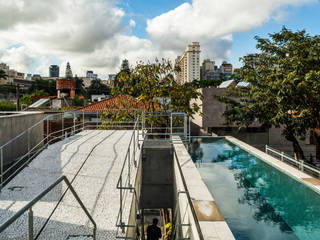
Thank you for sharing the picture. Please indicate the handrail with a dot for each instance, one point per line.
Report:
(302, 165)
(193, 211)
(37, 198)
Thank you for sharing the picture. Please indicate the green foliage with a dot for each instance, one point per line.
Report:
(48, 86)
(7, 106)
(154, 85)
(3, 74)
(6, 89)
(284, 86)
(97, 87)
(80, 90)
(77, 102)
(28, 98)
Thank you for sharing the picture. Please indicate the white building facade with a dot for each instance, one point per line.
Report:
(189, 64)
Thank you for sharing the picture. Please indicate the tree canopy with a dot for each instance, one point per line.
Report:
(97, 87)
(154, 83)
(3, 74)
(48, 86)
(284, 86)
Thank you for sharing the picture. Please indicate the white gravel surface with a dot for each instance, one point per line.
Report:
(95, 184)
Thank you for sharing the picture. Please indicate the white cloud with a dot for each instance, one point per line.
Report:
(132, 23)
(212, 22)
(91, 34)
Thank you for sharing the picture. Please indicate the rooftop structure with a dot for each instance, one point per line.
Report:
(66, 88)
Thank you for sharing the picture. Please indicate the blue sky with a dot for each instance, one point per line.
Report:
(297, 18)
(97, 34)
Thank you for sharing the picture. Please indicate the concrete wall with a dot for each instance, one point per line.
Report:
(12, 125)
(157, 175)
(213, 121)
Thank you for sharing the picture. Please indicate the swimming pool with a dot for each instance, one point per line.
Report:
(257, 200)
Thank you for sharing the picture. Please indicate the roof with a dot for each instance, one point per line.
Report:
(116, 102)
(243, 84)
(226, 84)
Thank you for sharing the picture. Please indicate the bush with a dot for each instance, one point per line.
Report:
(7, 106)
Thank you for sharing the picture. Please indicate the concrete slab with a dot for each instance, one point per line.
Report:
(92, 160)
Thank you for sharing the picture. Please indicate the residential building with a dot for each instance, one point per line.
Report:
(207, 69)
(54, 71)
(189, 63)
(226, 70)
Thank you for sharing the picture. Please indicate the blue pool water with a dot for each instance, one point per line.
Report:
(257, 200)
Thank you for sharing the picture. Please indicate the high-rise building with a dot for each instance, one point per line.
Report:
(54, 71)
(89, 74)
(189, 63)
(207, 69)
(226, 70)
(68, 71)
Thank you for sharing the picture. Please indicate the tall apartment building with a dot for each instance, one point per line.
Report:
(226, 70)
(189, 63)
(54, 71)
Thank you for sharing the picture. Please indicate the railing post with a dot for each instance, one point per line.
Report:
(62, 126)
(121, 224)
(171, 126)
(82, 121)
(30, 224)
(1, 167)
(74, 123)
(282, 153)
(185, 127)
(47, 129)
(134, 147)
(143, 123)
(301, 165)
(129, 168)
(266, 149)
(28, 137)
(97, 119)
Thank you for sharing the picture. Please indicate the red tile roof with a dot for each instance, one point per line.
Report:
(110, 104)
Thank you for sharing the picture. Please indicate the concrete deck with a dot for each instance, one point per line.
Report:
(95, 183)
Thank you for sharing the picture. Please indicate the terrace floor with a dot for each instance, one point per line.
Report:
(91, 159)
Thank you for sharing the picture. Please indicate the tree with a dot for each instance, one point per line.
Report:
(284, 86)
(3, 74)
(80, 90)
(48, 86)
(97, 87)
(28, 99)
(155, 85)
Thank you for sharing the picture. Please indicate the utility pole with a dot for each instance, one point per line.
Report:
(18, 96)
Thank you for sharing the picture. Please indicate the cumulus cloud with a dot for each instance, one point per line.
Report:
(212, 22)
(92, 35)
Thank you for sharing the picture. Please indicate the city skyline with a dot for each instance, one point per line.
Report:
(35, 36)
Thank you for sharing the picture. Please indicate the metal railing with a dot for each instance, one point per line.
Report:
(180, 222)
(29, 206)
(80, 121)
(147, 125)
(125, 183)
(299, 164)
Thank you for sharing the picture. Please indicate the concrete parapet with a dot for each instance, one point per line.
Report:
(211, 221)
